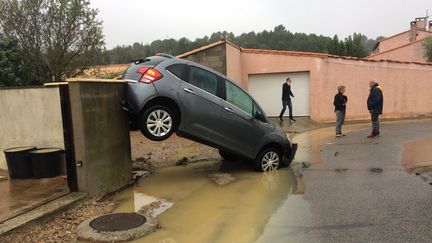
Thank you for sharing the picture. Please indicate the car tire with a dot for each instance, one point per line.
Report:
(268, 159)
(158, 123)
(227, 155)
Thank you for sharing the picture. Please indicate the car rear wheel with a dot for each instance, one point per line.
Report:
(268, 159)
(227, 156)
(158, 123)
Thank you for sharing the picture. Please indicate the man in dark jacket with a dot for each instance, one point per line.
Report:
(375, 106)
(339, 102)
(286, 100)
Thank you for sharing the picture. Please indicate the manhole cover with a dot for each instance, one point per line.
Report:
(117, 222)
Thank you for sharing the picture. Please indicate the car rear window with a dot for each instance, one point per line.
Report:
(131, 72)
(178, 70)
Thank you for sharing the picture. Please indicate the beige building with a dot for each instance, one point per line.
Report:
(398, 65)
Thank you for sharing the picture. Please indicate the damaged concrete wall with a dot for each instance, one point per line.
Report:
(101, 136)
(30, 117)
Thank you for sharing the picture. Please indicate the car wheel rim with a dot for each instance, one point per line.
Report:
(270, 161)
(159, 123)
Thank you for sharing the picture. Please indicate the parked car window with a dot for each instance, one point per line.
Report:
(203, 79)
(258, 114)
(177, 70)
(239, 98)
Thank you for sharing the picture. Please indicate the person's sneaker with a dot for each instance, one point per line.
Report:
(372, 136)
(338, 135)
(343, 134)
(292, 119)
(280, 119)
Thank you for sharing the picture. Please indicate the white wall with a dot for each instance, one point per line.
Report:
(30, 117)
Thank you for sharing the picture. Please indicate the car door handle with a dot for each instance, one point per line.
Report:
(189, 90)
(228, 109)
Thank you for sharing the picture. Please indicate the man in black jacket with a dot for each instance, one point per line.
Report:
(375, 106)
(339, 102)
(286, 100)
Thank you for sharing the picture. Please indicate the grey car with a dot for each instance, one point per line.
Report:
(165, 94)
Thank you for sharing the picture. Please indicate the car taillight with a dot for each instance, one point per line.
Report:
(149, 75)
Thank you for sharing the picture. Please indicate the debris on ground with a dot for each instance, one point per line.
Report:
(336, 154)
(156, 208)
(222, 179)
(376, 170)
(305, 164)
(182, 161)
(138, 174)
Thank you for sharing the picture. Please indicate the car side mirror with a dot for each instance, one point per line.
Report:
(259, 116)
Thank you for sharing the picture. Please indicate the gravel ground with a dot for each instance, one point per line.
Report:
(62, 227)
(151, 155)
(146, 155)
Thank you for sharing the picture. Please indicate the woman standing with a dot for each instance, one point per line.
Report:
(340, 101)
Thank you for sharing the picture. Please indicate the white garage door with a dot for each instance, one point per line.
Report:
(267, 90)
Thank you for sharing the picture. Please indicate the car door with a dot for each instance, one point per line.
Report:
(241, 130)
(202, 105)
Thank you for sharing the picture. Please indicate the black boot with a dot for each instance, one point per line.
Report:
(292, 119)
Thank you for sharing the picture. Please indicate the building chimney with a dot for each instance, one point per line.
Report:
(413, 31)
(421, 23)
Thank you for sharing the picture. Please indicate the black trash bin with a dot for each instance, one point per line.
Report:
(47, 162)
(18, 162)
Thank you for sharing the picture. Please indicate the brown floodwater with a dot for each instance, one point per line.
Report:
(190, 207)
(196, 209)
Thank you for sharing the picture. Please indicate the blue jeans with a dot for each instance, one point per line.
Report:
(340, 119)
(286, 103)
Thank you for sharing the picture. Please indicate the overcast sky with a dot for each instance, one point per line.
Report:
(129, 21)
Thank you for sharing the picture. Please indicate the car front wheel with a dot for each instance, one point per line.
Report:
(158, 123)
(268, 159)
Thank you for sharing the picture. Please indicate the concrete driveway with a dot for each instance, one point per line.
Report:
(359, 192)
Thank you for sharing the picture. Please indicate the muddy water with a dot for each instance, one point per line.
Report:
(417, 154)
(203, 211)
(311, 143)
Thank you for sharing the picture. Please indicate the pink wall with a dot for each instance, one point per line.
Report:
(234, 63)
(407, 87)
(410, 53)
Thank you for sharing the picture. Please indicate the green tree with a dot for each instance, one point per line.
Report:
(427, 45)
(60, 38)
(13, 68)
(354, 47)
(336, 46)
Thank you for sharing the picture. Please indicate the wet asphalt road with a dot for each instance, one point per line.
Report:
(344, 201)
